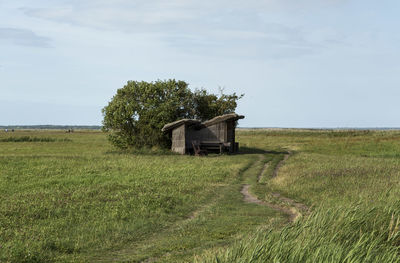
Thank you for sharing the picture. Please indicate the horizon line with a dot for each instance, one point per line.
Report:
(55, 126)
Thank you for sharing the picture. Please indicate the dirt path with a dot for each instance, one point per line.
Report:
(279, 165)
(299, 206)
(250, 198)
(262, 172)
(285, 205)
(123, 255)
(294, 210)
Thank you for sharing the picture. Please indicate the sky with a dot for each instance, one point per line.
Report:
(304, 64)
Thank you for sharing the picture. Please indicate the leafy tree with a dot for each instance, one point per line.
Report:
(208, 106)
(135, 115)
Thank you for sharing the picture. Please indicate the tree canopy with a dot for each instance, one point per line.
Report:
(135, 115)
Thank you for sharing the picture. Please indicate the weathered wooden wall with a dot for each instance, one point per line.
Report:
(216, 132)
(230, 130)
(183, 136)
(178, 139)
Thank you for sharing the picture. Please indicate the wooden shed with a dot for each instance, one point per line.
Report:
(217, 134)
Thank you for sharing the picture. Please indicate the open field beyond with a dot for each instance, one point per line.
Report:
(71, 197)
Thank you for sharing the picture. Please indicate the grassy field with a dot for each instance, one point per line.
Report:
(70, 197)
(351, 181)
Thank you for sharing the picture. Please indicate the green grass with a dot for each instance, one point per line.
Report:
(351, 179)
(73, 198)
(327, 235)
(32, 139)
(80, 200)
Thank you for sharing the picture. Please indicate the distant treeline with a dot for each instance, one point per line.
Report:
(52, 127)
(33, 139)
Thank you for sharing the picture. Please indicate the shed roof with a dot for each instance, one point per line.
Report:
(225, 117)
(172, 125)
(221, 118)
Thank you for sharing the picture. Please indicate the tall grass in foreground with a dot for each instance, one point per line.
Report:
(344, 234)
(352, 182)
(80, 201)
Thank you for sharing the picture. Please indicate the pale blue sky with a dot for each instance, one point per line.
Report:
(310, 63)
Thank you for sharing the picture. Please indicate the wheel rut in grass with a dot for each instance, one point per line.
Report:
(250, 198)
(294, 209)
(280, 164)
(262, 172)
(129, 254)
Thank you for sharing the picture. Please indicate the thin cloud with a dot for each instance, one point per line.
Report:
(272, 41)
(232, 28)
(134, 15)
(23, 37)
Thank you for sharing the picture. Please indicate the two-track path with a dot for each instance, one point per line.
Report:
(294, 209)
(291, 208)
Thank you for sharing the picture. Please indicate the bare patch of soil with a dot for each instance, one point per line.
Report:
(301, 207)
(294, 210)
(250, 198)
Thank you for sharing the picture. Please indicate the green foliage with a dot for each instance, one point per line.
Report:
(135, 115)
(209, 106)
